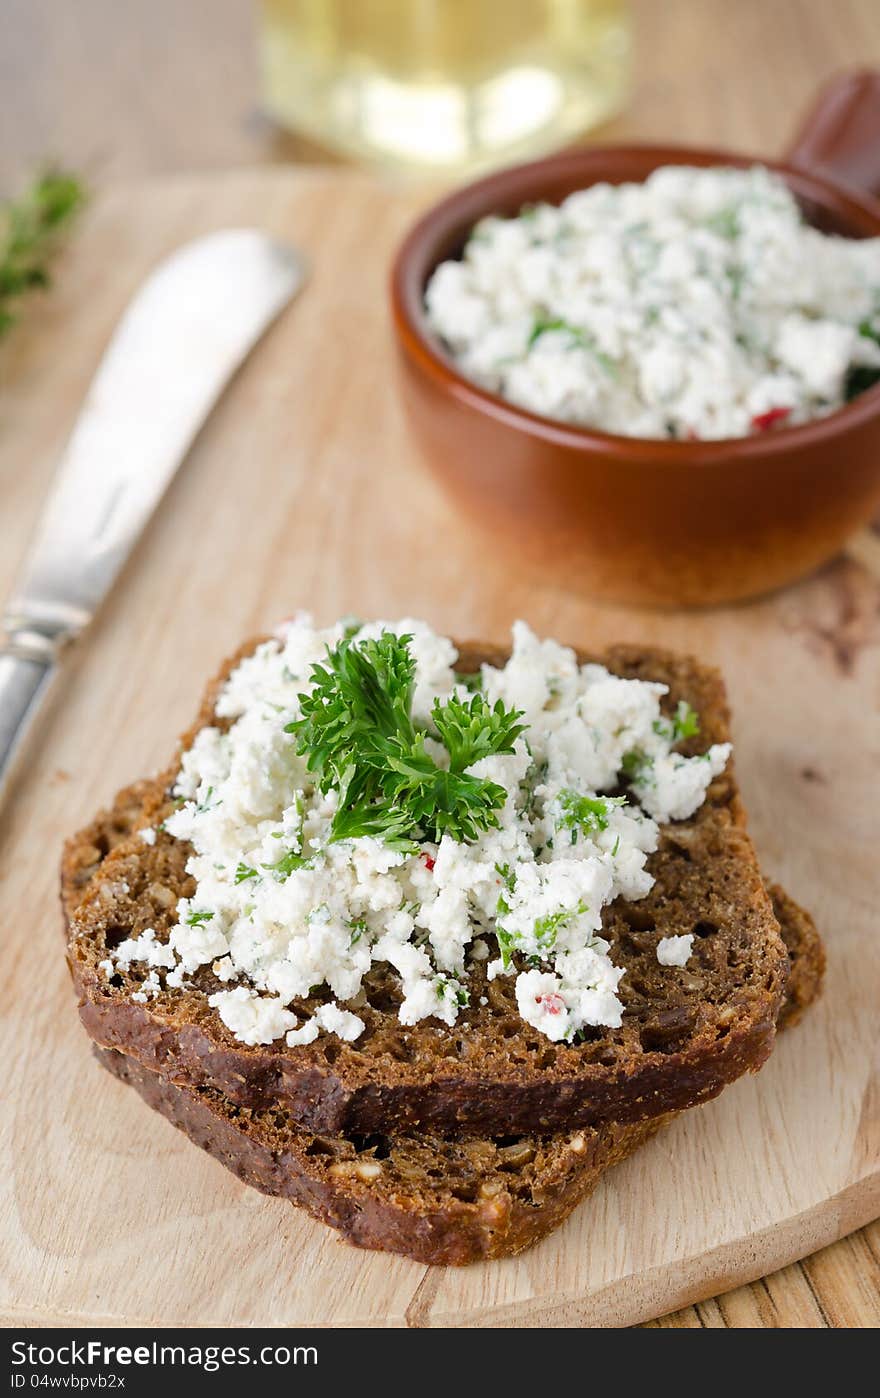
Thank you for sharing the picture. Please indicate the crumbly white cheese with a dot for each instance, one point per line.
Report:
(148, 835)
(150, 987)
(675, 951)
(144, 948)
(280, 910)
(331, 1018)
(696, 304)
(253, 1018)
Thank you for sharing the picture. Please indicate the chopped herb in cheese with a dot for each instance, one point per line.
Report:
(698, 304)
(362, 804)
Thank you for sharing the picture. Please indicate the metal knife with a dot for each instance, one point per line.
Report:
(176, 347)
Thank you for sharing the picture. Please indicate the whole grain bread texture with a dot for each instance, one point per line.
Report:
(686, 1031)
(434, 1199)
(437, 1200)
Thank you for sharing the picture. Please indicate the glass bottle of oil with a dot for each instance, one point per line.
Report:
(443, 86)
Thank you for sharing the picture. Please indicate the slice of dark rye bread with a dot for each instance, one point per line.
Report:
(686, 1032)
(436, 1200)
(441, 1200)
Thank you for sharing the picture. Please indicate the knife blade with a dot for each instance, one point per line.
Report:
(183, 336)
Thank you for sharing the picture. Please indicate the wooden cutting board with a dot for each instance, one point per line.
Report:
(303, 491)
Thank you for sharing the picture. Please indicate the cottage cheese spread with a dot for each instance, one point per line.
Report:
(696, 305)
(281, 909)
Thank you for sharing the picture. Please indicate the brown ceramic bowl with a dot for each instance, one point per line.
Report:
(660, 523)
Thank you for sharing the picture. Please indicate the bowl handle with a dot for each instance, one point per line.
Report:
(840, 136)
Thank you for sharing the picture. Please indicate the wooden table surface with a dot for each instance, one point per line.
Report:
(156, 86)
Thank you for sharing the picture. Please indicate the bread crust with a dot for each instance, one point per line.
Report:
(435, 1201)
(420, 1219)
(686, 1033)
(440, 1201)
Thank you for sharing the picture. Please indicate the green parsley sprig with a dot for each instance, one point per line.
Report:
(358, 735)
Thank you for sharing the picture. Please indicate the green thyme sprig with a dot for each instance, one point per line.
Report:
(30, 230)
(358, 736)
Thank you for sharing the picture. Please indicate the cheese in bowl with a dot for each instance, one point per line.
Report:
(698, 304)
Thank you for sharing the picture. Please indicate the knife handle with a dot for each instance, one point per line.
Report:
(27, 664)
